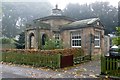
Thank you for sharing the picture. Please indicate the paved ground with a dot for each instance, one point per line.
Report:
(84, 70)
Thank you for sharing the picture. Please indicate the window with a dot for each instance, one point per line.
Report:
(44, 36)
(98, 23)
(31, 41)
(97, 39)
(57, 38)
(75, 39)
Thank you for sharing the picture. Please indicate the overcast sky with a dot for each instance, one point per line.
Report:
(63, 3)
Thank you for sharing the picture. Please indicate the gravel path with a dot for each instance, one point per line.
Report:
(84, 70)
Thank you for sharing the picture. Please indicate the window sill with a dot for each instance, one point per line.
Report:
(97, 47)
(76, 46)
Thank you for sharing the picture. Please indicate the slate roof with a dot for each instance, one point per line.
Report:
(56, 17)
(70, 26)
(80, 24)
(38, 24)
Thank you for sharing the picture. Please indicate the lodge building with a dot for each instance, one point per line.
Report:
(87, 34)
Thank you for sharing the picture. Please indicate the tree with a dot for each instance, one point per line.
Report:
(16, 15)
(20, 43)
(107, 13)
(5, 41)
(116, 40)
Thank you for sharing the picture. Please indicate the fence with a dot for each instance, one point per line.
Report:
(110, 65)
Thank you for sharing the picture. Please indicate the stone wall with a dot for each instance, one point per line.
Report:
(85, 40)
(56, 23)
(27, 38)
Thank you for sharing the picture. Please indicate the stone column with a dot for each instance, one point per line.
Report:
(26, 47)
(37, 37)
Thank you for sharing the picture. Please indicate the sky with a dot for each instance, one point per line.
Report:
(63, 3)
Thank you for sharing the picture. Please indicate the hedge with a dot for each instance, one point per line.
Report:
(37, 60)
(67, 51)
(42, 58)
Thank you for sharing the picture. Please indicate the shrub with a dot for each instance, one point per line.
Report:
(5, 40)
(34, 59)
(43, 58)
(20, 43)
(52, 44)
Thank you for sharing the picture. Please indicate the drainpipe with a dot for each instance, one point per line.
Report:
(91, 41)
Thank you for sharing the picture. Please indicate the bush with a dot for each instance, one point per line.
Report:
(20, 43)
(43, 58)
(7, 43)
(52, 44)
(34, 59)
(5, 40)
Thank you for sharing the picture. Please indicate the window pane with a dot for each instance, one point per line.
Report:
(76, 39)
(57, 36)
(97, 43)
(97, 39)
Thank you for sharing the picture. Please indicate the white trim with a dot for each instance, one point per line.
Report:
(77, 39)
(97, 39)
(97, 46)
(76, 46)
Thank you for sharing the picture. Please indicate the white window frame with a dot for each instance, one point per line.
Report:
(97, 39)
(77, 39)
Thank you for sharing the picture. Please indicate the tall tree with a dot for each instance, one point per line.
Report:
(116, 40)
(16, 14)
(20, 43)
(107, 13)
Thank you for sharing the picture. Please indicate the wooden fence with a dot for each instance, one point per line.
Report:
(110, 65)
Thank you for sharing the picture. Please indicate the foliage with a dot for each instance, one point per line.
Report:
(116, 40)
(5, 40)
(7, 43)
(43, 58)
(118, 31)
(67, 51)
(80, 59)
(37, 60)
(107, 13)
(16, 15)
(20, 43)
(51, 44)
(76, 52)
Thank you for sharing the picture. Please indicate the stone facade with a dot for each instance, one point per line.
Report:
(87, 34)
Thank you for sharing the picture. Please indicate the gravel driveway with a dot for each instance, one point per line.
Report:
(84, 70)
